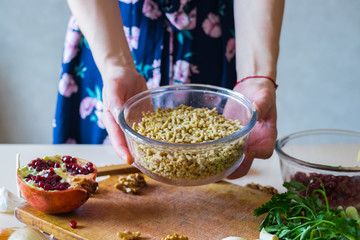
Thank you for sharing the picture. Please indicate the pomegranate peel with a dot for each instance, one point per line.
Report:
(57, 184)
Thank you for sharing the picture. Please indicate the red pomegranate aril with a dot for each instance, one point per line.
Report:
(41, 184)
(341, 190)
(73, 223)
(91, 169)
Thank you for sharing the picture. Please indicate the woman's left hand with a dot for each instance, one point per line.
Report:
(262, 138)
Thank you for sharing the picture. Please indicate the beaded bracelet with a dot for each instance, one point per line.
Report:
(269, 78)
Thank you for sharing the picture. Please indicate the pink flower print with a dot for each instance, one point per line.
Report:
(107, 141)
(127, 35)
(86, 106)
(156, 63)
(181, 71)
(192, 16)
(194, 69)
(99, 105)
(156, 77)
(183, 3)
(135, 32)
(230, 49)
(72, 25)
(70, 141)
(53, 123)
(99, 119)
(67, 85)
(133, 37)
(182, 21)
(72, 39)
(211, 25)
(155, 80)
(151, 9)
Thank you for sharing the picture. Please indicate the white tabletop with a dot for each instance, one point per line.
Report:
(264, 172)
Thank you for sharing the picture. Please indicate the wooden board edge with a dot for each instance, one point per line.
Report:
(44, 226)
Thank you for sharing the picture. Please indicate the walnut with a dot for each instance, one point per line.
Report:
(265, 189)
(127, 235)
(132, 183)
(174, 237)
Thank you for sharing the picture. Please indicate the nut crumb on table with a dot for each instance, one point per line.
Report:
(127, 235)
(185, 125)
(175, 237)
(266, 189)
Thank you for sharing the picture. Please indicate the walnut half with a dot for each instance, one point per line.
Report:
(127, 235)
(132, 183)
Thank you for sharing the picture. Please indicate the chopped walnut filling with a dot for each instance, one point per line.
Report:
(185, 125)
(265, 189)
(132, 183)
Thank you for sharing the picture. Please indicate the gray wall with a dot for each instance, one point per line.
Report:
(318, 71)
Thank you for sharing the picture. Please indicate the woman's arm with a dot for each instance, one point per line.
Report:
(100, 22)
(257, 31)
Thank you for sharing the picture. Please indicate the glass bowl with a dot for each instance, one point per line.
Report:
(329, 154)
(188, 164)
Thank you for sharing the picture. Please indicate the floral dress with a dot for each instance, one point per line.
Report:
(185, 41)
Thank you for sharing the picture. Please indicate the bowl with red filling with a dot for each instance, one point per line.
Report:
(323, 159)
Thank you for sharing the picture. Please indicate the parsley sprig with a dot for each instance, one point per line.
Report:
(291, 215)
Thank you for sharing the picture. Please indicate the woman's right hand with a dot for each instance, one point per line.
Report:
(120, 84)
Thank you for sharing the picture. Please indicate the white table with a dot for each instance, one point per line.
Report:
(264, 172)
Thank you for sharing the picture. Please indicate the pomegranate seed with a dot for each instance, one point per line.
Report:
(341, 190)
(73, 223)
(91, 169)
(41, 184)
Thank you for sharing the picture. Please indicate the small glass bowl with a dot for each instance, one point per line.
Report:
(329, 154)
(188, 164)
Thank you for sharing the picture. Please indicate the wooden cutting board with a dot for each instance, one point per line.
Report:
(209, 212)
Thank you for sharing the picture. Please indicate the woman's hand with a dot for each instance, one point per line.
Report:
(263, 136)
(120, 84)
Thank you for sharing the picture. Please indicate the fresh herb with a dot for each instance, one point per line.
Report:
(301, 214)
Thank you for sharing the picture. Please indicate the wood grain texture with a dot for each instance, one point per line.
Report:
(213, 211)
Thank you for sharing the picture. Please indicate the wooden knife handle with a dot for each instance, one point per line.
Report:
(116, 169)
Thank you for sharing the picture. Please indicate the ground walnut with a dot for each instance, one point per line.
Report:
(187, 125)
(175, 237)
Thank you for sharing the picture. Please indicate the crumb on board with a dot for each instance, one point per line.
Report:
(127, 235)
(266, 189)
(175, 236)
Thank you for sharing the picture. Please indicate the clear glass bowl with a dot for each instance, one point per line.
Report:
(188, 164)
(329, 154)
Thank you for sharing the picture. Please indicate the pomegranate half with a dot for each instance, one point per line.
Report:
(57, 184)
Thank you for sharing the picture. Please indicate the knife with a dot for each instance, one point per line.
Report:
(116, 169)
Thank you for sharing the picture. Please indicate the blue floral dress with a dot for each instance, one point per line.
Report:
(172, 42)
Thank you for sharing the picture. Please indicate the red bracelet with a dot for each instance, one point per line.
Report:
(269, 78)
